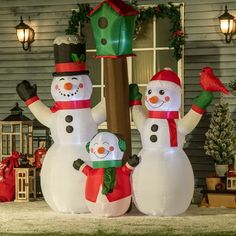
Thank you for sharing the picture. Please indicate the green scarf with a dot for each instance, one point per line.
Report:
(109, 180)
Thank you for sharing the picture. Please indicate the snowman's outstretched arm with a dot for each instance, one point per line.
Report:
(131, 163)
(192, 118)
(28, 94)
(99, 112)
(80, 165)
(135, 103)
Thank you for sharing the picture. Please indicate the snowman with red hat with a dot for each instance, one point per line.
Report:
(71, 121)
(163, 182)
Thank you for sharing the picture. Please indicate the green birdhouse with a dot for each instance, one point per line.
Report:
(113, 23)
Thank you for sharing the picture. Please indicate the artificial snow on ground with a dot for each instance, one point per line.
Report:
(37, 217)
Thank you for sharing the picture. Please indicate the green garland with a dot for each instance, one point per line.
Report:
(161, 11)
(171, 11)
(78, 18)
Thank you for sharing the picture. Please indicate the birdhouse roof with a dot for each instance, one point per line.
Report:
(119, 6)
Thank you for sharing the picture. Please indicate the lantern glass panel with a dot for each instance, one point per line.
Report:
(5, 144)
(226, 26)
(23, 35)
(6, 128)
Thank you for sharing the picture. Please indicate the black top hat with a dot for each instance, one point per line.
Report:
(69, 55)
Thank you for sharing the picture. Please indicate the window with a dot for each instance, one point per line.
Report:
(153, 54)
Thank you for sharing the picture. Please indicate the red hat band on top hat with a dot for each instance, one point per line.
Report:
(69, 55)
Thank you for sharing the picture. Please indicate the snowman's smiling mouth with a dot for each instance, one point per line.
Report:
(153, 105)
(68, 94)
(102, 157)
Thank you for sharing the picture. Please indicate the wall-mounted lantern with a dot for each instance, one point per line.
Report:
(25, 34)
(227, 25)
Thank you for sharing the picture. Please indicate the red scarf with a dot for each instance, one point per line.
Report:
(66, 105)
(170, 116)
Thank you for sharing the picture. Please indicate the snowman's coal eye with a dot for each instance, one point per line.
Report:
(61, 79)
(161, 92)
(74, 78)
(149, 91)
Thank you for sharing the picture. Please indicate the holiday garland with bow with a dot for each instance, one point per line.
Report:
(79, 18)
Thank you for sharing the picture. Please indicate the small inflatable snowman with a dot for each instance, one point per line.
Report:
(72, 124)
(163, 182)
(108, 189)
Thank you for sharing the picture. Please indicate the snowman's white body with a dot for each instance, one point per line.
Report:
(102, 207)
(163, 182)
(117, 202)
(62, 186)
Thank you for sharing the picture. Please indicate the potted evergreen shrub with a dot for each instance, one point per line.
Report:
(220, 140)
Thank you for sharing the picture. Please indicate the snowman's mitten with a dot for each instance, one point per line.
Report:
(134, 95)
(133, 160)
(26, 91)
(78, 163)
(202, 101)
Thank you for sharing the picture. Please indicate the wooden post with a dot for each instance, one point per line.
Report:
(117, 99)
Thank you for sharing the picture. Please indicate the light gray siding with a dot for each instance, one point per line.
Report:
(205, 46)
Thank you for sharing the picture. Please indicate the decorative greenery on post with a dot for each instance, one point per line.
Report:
(220, 141)
(176, 40)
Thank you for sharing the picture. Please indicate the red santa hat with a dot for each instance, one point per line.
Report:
(167, 75)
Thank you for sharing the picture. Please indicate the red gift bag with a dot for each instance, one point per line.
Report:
(39, 155)
(7, 177)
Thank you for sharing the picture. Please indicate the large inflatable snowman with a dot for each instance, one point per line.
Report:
(163, 182)
(108, 188)
(72, 124)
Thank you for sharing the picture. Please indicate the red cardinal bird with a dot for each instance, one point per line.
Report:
(210, 82)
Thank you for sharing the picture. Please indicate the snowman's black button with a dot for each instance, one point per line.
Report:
(69, 129)
(154, 128)
(69, 118)
(153, 138)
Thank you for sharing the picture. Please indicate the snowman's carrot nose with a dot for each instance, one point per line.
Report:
(101, 150)
(68, 86)
(153, 99)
